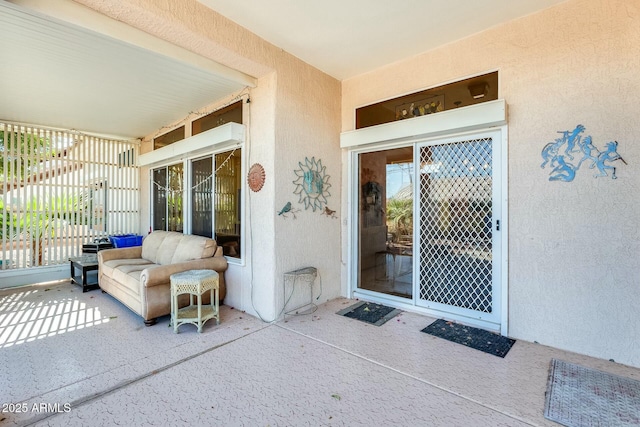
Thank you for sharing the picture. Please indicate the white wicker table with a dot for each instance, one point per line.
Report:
(195, 283)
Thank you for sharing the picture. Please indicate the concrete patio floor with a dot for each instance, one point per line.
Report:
(73, 358)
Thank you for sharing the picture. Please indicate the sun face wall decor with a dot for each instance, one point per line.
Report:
(256, 177)
(312, 184)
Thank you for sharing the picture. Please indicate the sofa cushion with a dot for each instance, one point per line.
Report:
(129, 277)
(170, 247)
(193, 247)
(151, 244)
(108, 267)
(167, 248)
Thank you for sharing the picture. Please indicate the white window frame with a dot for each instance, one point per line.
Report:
(206, 144)
(187, 197)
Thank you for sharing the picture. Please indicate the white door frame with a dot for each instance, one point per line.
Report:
(493, 319)
(490, 116)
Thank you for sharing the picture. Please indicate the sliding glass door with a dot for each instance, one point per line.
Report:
(429, 228)
(385, 229)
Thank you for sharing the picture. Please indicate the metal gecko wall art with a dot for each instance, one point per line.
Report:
(559, 155)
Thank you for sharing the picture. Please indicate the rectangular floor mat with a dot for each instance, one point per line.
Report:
(376, 314)
(578, 396)
(476, 338)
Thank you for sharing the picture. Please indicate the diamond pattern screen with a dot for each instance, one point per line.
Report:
(455, 224)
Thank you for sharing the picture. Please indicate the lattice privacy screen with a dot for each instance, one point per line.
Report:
(60, 190)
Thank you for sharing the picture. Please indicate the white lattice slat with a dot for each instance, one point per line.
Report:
(49, 176)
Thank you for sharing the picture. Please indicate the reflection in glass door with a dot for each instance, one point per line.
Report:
(167, 188)
(201, 200)
(385, 226)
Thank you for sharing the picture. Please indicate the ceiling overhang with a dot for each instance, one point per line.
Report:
(67, 66)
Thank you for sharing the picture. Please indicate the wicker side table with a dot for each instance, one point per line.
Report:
(195, 283)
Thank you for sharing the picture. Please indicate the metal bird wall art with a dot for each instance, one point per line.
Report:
(328, 212)
(288, 209)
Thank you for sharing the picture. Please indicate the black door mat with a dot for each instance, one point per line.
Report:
(369, 312)
(478, 339)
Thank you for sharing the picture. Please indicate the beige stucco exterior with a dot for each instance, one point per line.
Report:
(573, 248)
(294, 113)
(573, 277)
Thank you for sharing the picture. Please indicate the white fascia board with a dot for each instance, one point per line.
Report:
(216, 138)
(484, 115)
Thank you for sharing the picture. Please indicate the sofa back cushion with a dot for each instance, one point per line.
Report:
(170, 247)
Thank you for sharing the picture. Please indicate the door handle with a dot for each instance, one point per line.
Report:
(497, 225)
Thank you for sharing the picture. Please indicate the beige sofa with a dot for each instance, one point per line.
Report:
(138, 276)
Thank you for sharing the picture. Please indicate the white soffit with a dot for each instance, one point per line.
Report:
(212, 140)
(478, 116)
(348, 38)
(69, 67)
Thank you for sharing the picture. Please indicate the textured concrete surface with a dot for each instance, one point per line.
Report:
(84, 359)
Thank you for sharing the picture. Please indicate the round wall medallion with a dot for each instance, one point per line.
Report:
(312, 184)
(256, 177)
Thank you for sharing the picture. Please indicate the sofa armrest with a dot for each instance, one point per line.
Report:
(160, 274)
(119, 253)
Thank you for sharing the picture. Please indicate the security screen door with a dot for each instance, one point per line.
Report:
(458, 268)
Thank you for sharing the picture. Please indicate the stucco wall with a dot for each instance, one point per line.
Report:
(294, 113)
(574, 282)
(307, 127)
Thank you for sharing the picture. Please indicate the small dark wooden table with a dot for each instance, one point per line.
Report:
(83, 265)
